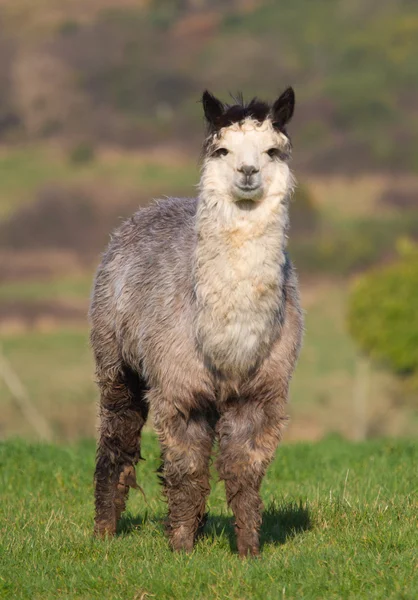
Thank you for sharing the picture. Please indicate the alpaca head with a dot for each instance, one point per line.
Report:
(247, 149)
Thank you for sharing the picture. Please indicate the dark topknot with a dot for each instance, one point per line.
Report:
(220, 115)
(236, 113)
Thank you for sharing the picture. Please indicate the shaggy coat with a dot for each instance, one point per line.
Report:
(195, 313)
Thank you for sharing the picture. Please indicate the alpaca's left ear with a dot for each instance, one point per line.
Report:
(212, 107)
(283, 108)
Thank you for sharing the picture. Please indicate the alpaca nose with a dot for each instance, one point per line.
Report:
(248, 170)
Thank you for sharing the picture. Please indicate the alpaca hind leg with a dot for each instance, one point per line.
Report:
(186, 446)
(248, 437)
(123, 413)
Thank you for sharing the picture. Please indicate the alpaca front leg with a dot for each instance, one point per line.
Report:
(186, 446)
(186, 495)
(123, 413)
(248, 436)
(242, 486)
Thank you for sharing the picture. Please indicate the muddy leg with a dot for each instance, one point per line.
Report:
(248, 436)
(186, 446)
(123, 412)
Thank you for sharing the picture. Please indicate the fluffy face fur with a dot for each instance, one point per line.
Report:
(242, 221)
(247, 162)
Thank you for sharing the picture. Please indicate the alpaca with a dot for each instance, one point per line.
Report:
(195, 313)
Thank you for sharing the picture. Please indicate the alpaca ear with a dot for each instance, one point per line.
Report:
(212, 107)
(283, 108)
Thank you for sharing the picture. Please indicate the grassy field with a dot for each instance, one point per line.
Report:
(76, 287)
(25, 170)
(339, 522)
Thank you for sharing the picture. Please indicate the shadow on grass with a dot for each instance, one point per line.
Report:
(129, 523)
(280, 523)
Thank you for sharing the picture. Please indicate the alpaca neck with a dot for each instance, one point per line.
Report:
(240, 255)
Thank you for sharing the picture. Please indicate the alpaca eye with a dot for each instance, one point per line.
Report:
(221, 152)
(273, 152)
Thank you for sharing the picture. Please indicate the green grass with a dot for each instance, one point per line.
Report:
(340, 522)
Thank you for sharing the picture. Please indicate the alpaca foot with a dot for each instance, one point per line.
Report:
(107, 519)
(248, 543)
(182, 538)
(104, 529)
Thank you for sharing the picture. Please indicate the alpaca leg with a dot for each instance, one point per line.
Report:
(248, 436)
(186, 446)
(123, 413)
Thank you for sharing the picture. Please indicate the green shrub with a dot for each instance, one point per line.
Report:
(383, 314)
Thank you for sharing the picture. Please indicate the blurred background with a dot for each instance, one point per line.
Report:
(100, 113)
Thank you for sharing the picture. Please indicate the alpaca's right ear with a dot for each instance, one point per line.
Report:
(283, 108)
(212, 107)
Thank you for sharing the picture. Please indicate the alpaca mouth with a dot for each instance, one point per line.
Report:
(248, 191)
(248, 187)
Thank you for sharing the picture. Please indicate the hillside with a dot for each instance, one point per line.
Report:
(340, 522)
(129, 74)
